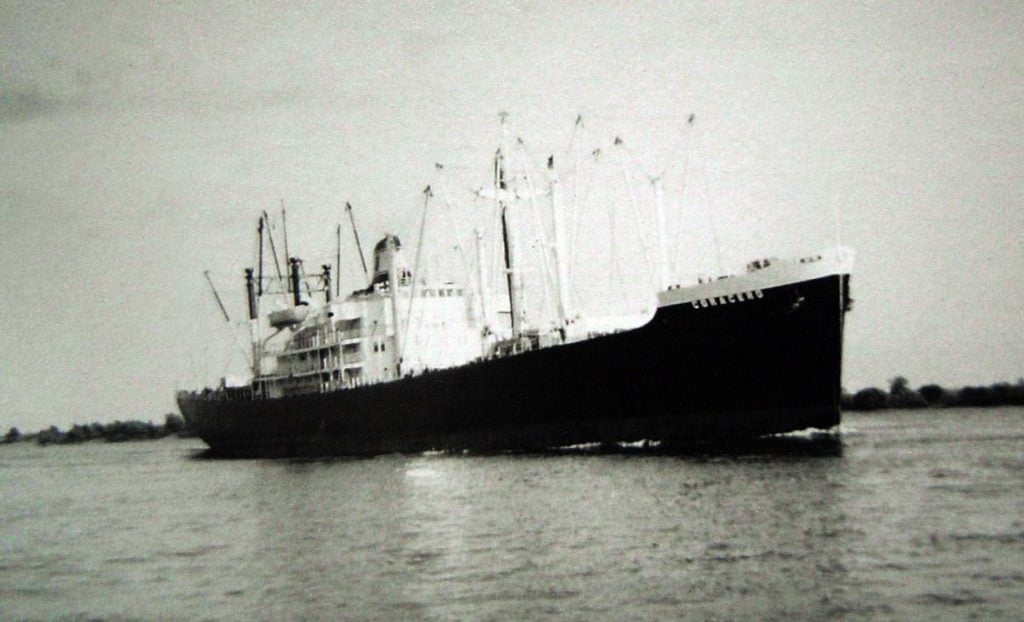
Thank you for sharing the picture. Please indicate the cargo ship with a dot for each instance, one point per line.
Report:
(404, 365)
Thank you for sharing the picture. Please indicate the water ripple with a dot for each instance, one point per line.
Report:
(906, 516)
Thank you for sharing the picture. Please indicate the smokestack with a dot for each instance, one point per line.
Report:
(327, 282)
(296, 289)
(250, 290)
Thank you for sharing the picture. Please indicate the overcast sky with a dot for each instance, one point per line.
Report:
(138, 143)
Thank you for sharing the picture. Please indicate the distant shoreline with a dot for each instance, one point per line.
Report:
(118, 431)
(899, 396)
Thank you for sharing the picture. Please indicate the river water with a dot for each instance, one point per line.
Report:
(908, 516)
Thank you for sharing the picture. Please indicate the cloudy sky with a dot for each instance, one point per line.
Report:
(139, 141)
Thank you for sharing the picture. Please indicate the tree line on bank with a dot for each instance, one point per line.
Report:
(111, 432)
(901, 395)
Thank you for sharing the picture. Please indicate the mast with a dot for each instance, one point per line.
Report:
(254, 334)
(273, 248)
(485, 296)
(561, 252)
(337, 291)
(284, 230)
(355, 232)
(513, 273)
(393, 284)
(259, 281)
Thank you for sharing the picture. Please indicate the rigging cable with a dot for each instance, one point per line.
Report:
(439, 180)
(595, 157)
(574, 148)
(427, 193)
(680, 220)
(634, 208)
(284, 231)
(337, 278)
(449, 210)
(227, 319)
(355, 232)
(547, 278)
(305, 283)
(273, 248)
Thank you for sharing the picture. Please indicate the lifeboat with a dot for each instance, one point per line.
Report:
(288, 317)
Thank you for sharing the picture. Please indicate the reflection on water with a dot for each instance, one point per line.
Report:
(652, 536)
(904, 516)
(812, 443)
(801, 444)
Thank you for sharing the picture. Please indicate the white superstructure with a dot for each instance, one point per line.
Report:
(357, 341)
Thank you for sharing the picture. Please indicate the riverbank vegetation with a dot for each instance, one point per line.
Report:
(112, 432)
(901, 395)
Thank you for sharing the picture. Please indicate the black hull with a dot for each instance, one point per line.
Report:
(694, 373)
